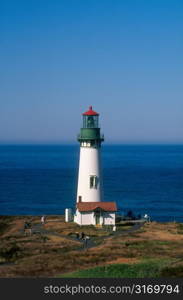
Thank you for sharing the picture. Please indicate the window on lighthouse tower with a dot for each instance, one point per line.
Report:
(90, 121)
(93, 182)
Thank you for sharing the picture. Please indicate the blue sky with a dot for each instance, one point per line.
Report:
(123, 57)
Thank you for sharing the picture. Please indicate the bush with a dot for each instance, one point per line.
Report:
(3, 227)
(10, 253)
(180, 228)
(172, 272)
(130, 215)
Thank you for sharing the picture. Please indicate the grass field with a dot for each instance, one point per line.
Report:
(146, 269)
(154, 250)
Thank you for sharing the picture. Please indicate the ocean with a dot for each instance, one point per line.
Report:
(42, 179)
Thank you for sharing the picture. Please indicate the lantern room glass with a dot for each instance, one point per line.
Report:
(90, 121)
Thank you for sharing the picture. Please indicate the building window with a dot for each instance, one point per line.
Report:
(93, 182)
(80, 199)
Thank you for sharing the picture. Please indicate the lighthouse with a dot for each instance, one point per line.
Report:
(90, 207)
(90, 176)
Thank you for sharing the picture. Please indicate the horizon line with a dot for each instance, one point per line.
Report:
(75, 143)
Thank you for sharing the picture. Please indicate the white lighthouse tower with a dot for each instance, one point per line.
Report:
(90, 208)
(90, 177)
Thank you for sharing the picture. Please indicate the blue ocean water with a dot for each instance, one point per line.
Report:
(36, 180)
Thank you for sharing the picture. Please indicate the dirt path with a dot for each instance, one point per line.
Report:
(39, 229)
(85, 244)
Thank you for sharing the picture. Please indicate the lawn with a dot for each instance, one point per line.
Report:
(146, 269)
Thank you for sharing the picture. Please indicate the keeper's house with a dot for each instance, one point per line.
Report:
(95, 213)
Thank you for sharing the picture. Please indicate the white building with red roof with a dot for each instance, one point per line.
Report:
(90, 207)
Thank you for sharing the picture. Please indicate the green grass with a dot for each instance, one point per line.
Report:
(145, 269)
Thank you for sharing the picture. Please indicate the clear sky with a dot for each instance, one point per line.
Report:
(124, 57)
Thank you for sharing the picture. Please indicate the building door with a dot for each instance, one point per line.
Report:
(97, 218)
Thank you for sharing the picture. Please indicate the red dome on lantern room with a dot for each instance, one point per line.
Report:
(90, 112)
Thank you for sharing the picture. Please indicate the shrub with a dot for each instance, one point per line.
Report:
(172, 272)
(10, 253)
(3, 227)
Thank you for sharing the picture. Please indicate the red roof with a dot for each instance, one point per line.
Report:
(90, 112)
(89, 206)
